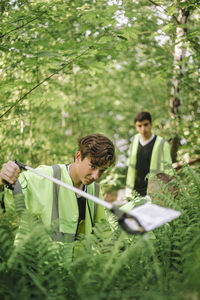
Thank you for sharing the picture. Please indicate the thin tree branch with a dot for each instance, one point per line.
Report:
(51, 75)
(156, 4)
(3, 35)
(44, 80)
(178, 165)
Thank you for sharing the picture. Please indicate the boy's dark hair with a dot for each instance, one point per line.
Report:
(143, 115)
(99, 148)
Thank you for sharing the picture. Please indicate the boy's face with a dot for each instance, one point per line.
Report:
(144, 128)
(86, 171)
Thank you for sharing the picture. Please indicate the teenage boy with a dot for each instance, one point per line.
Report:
(42, 197)
(149, 153)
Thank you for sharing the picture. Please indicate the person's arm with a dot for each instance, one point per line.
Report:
(9, 173)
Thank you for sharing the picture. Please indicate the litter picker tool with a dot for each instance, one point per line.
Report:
(140, 219)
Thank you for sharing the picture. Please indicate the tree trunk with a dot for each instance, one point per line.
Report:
(179, 69)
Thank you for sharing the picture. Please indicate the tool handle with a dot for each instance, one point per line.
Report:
(21, 165)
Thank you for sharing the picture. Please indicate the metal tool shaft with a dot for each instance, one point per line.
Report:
(72, 188)
(119, 214)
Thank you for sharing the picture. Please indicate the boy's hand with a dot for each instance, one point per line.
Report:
(9, 173)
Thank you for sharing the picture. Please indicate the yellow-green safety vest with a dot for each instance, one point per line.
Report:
(50, 201)
(160, 160)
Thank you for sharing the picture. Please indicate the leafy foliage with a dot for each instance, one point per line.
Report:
(71, 68)
(110, 265)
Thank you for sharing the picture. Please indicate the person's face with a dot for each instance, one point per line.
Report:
(86, 171)
(144, 128)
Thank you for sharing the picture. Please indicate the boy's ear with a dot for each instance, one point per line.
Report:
(78, 156)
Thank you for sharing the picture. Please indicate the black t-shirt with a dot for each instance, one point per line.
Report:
(81, 206)
(143, 166)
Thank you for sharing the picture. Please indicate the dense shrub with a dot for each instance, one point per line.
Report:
(111, 264)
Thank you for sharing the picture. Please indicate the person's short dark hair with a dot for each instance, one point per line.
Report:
(98, 148)
(143, 115)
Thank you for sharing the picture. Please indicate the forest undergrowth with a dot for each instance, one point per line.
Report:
(111, 265)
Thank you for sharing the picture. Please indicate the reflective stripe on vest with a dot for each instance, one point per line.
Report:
(57, 236)
(17, 188)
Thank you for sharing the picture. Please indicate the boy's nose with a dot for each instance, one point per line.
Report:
(144, 128)
(95, 174)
